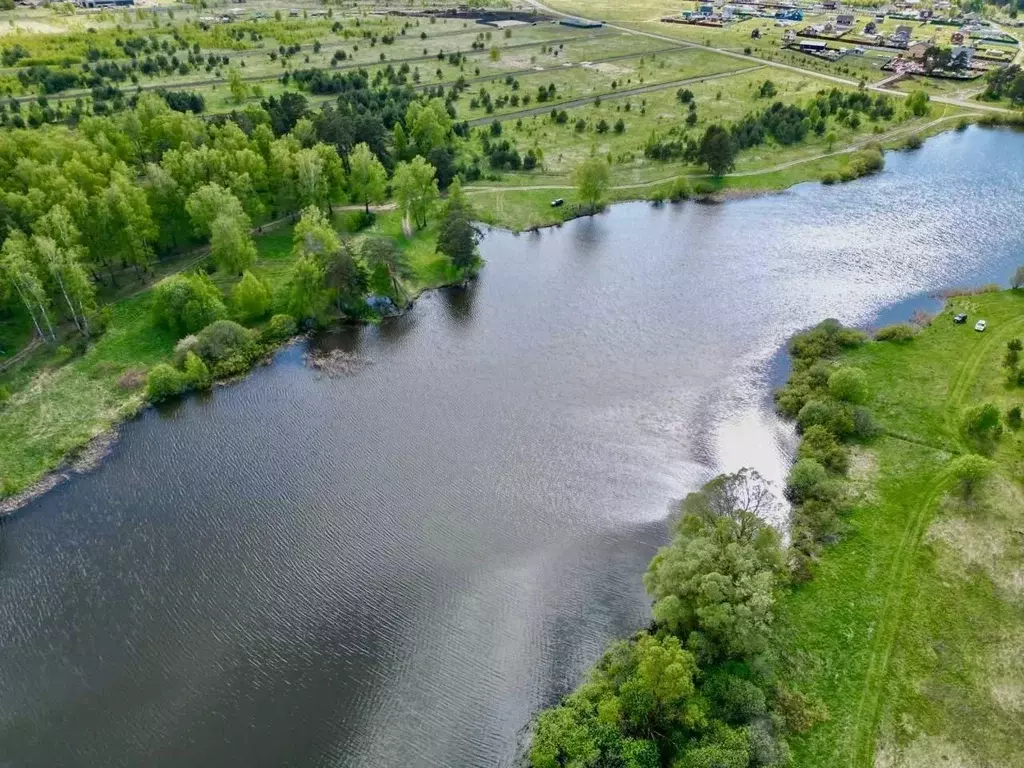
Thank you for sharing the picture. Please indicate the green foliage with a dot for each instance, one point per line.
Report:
(898, 332)
(849, 385)
(820, 444)
(305, 295)
(825, 340)
(592, 178)
(917, 103)
(186, 303)
(225, 339)
(231, 246)
(279, 328)
(164, 381)
(714, 586)
(197, 375)
(367, 177)
(808, 480)
(250, 298)
(415, 189)
(717, 150)
(1017, 279)
(969, 471)
(982, 421)
(457, 237)
(837, 417)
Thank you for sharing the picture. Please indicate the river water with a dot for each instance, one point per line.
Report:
(398, 565)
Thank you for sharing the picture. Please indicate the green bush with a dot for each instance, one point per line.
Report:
(224, 339)
(807, 480)
(982, 421)
(913, 142)
(196, 373)
(969, 471)
(849, 385)
(896, 332)
(681, 190)
(186, 303)
(703, 188)
(827, 339)
(829, 179)
(836, 417)
(250, 298)
(5, 395)
(164, 381)
(864, 425)
(822, 446)
(1013, 417)
(279, 328)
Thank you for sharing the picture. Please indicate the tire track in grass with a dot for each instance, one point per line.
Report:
(869, 709)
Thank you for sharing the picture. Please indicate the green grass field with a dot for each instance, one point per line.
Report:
(912, 629)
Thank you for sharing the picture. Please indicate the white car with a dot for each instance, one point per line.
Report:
(981, 325)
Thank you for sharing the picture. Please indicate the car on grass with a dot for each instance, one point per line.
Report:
(981, 325)
(960, 319)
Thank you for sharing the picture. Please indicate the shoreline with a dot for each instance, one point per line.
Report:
(90, 454)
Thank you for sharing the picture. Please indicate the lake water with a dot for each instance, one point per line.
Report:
(398, 566)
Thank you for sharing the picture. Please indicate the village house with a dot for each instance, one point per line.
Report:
(845, 21)
(917, 49)
(957, 38)
(870, 28)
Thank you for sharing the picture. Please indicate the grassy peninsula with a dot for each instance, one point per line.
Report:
(910, 631)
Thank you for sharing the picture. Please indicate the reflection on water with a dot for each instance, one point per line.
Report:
(395, 567)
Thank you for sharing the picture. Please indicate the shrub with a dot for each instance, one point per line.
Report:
(822, 446)
(279, 328)
(250, 297)
(680, 190)
(913, 142)
(808, 480)
(896, 332)
(5, 395)
(982, 421)
(827, 339)
(703, 188)
(969, 471)
(225, 339)
(829, 179)
(197, 375)
(848, 384)
(186, 303)
(836, 417)
(864, 425)
(164, 381)
(1013, 417)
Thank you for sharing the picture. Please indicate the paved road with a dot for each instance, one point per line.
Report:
(546, 108)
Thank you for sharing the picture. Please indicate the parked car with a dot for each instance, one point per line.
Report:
(981, 325)
(557, 202)
(960, 319)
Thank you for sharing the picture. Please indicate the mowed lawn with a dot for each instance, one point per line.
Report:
(912, 631)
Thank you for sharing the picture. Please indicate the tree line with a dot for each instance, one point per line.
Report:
(80, 207)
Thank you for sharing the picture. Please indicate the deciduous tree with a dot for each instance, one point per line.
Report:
(416, 189)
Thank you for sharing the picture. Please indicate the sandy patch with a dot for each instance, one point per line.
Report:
(608, 68)
(1006, 675)
(925, 752)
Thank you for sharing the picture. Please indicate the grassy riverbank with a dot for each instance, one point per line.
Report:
(912, 629)
(61, 399)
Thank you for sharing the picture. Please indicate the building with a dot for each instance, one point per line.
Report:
(917, 50)
(790, 14)
(957, 38)
(573, 21)
(813, 46)
(106, 3)
(845, 21)
(870, 28)
(789, 37)
(963, 51)
(902, 35)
